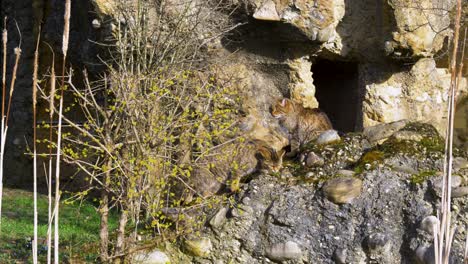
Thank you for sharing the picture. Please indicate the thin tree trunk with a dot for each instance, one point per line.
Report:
(120, 244)
(104, 212)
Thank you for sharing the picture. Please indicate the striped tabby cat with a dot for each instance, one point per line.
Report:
(302, 124)
(232, 163)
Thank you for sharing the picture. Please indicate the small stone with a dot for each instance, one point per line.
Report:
(284, 251)
(219, 218)
(376, 241)
(242, 211)
(246, 200)
(407, 135)
(459, 163)
(377, 133)
(328, 137)
(286, 174)
(267, 12)
(198, 247)
(96, 23)
(389, 47)
(155, 257)
(405, 169)
(460, 192)
(428, 223)
(313, 160)
(339, 255)
(425, 255)
(342, 190)
(346, 173)
(438, 182)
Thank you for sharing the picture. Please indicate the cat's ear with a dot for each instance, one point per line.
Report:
(283, 102)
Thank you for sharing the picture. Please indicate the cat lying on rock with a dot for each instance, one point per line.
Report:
(225, 169)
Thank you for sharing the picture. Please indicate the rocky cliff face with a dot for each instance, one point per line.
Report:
(363, 62)
(355, 201)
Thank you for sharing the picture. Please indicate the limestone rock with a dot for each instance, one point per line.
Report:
(267, 12)
(242, 211)
(284, 251)
(459, 163)
(418, 32)
(342, 190)
(460, 192)
(154, 257)
(425, 255)
(419, 94)
(328, 137)
(199, 247)
(301, 83)
(315, 20)
(383, 225)
(378, 247)
(407, 135)
(219, 218)
(339, 255)
(104, 7)
(346, 173)
(313, 160)
(428, 223)
(438, 182)
(383, 131)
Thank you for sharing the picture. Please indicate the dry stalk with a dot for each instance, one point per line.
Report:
(13, 80)
(2, 131)
(66, 33)
(49, 180)
(445, 232)
(4, 41)
(34, 94)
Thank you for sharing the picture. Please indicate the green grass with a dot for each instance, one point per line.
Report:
(79, 229)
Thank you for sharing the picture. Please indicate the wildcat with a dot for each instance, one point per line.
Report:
(231, 164)
(302, 124)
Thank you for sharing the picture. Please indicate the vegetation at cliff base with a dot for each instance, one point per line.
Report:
(79, 229)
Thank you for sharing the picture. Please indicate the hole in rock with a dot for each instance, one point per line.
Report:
(460, 125)
(338, 93)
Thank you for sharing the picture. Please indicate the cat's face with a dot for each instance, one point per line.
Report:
(282, 108)
(270, 159)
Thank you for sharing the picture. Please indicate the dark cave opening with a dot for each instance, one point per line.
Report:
(338, 93)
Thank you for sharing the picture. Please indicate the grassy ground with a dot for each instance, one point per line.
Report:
(79, 229)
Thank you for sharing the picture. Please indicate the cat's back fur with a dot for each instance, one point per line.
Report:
(231, 163)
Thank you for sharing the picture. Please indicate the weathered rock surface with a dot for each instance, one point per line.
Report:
(154, 257)
(276, 46)
(293, 221)
(383, 131)
(313, 160)
(419, 94)
(284, 251)
(428, 224)
(328, 137)
(199, 247)
(342, 190)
